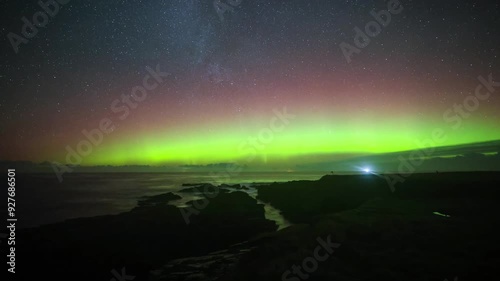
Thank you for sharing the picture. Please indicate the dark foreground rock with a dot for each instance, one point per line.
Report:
(140, 240)
(379, 234)
(388, 236)
(209, 267)
(234, 186)
(303, 201)
(157, 200)
(205, 188)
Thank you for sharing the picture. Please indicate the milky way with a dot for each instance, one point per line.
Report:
(229, 77)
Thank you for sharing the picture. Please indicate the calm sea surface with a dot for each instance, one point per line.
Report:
(41, 199)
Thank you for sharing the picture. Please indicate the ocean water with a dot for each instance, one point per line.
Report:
(41, 199)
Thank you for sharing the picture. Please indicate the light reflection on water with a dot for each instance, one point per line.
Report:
(271, 213)
(45, 200)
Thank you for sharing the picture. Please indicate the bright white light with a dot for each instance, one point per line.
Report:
(367, 170)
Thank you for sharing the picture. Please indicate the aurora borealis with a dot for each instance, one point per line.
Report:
(228, 78)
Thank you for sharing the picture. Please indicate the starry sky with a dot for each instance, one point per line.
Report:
(229, 74)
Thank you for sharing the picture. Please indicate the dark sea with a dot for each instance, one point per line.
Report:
(41, 199)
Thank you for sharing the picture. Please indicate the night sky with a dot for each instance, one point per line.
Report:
(229, 75)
